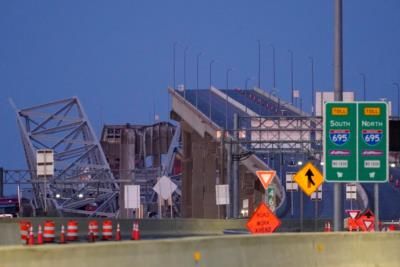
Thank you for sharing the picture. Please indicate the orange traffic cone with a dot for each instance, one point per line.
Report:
(327, 227)
(62, 236)
(28, 233)
(135, 231)
(118, 234)
(40, 236)
(91, 237)
(31, 240)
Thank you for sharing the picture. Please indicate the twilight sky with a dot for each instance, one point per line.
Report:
(116, 56)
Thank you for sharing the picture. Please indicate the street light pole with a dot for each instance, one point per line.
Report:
(259, 63)
(312, 85)
(246, 87)
(209, 92)
(197, 75)
(338, 94)
(174, 64)
(227, 77)
(226, 102)
(273, 67)
(398, 98)
(291, 72)
(184, 70)
(246, 82)
(211, 63)
(364, 87)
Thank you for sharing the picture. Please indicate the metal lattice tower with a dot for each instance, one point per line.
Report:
(82, 183)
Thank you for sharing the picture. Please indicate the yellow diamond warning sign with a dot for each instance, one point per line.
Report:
(309, 178)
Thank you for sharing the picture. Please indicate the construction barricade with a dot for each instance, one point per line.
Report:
(93, 232)
(24, 227)
(49, 229)
(72, 230)
(107, 233)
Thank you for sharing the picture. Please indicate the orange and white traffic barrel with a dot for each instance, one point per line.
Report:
(24, 227)
(72, 230)
(94, 228)
(107, 230)
(49, 231)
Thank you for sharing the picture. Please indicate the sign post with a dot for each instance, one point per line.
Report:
(373, 148)
(373, 142)
(266, 178)
(356, 144)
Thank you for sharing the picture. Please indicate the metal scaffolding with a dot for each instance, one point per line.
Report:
(283, 134)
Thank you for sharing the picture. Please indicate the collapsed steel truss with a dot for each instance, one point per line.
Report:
(80, 185)
(146, 178)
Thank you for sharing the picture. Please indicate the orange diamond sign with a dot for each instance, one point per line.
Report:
(265, 177)
(263, 220)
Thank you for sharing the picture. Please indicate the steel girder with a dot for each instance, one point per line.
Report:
(64, 127)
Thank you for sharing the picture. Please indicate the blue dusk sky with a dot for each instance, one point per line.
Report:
(116, 56)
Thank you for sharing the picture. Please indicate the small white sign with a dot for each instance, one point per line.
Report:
(317, 195)
(165, 187)
(132, 196)
(372, 164)
(222, 194)
(351, 191)
(246, 203)
(340, 164)
(291, 184)
(367, 224)
(44, 162)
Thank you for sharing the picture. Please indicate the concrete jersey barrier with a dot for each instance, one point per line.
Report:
(318, 249)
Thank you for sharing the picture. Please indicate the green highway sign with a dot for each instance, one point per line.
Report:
(271, 198)
(356, 142)
(373, 142)
(340, 154)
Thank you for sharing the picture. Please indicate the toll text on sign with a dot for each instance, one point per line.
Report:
(372, 111)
